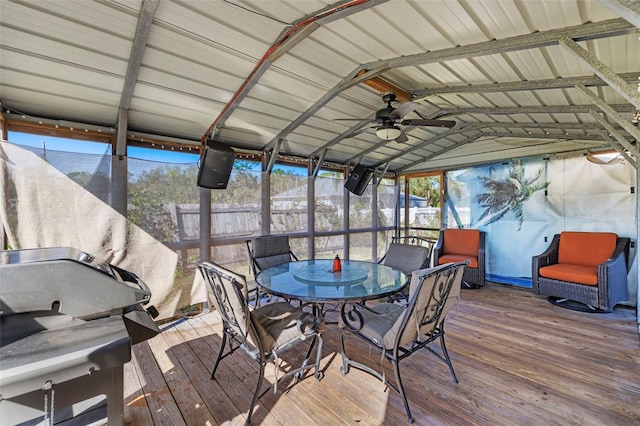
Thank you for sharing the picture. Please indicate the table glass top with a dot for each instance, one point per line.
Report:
(313, 280)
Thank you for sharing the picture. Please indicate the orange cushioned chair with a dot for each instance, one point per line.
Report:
(585, 267)
(459, 245)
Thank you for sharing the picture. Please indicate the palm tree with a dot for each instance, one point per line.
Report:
(507, 195)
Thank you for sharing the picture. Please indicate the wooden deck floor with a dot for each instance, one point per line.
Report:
(519, 359)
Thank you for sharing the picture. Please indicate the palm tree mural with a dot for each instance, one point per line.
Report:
(508, 195)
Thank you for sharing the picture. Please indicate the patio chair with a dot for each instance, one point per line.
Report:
(458, 245)
(264, 332)
(266, 251)
(589, 268)
(398, 331)
(408, 254)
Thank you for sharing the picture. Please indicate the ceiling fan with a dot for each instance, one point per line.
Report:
(389, 119)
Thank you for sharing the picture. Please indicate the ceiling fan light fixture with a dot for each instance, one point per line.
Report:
(388, 132)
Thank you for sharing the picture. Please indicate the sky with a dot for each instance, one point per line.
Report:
(86, 147)
(99, 148)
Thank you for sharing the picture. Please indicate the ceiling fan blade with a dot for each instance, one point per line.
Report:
(353, 119)
(425, 122)
(402, 138)
(403, 109)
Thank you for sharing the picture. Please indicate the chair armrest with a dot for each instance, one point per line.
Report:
(354, 320)
(621, 250)
(609, 266)
(546, 258)
(614, 269)
(438, 249)
(612, 277)
(550, 255)
(481, 256)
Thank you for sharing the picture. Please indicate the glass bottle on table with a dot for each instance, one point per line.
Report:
(337, 265)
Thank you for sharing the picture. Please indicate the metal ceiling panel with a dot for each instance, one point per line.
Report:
(219, 24)
(255, 71)
(27, 65)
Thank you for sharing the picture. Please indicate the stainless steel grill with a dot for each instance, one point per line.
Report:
(67, 323)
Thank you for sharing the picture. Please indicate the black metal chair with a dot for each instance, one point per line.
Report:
(264, 332)
(266, 251)
(408, 254)
(400, 330)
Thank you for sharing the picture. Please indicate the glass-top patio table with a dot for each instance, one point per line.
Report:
(314, 281)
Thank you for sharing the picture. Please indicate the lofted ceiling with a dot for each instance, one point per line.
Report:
(518, 77)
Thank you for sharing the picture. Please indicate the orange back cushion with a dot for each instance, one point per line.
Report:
(586, 248)
(462, 241)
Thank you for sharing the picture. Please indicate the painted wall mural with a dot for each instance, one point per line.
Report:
(508, 195)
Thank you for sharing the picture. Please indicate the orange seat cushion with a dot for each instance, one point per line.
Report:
(586, 248)
(447, 258)
(462, 242)
(573, 273)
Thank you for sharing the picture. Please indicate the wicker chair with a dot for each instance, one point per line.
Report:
(585, 267)
(458, 245)
(400, 330)
(264, 332)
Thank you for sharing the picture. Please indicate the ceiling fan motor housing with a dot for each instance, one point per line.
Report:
(382, 115)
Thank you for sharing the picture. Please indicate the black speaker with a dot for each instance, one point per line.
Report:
(358, 179)
(215, 165)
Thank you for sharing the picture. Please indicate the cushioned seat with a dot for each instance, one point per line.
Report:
(587, 275)
(448, 258)
(461, 245)
(585, 267)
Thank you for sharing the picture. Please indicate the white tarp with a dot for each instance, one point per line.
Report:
(42, 207)
(580, 196)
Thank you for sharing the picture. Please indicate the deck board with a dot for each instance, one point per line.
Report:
(519, 360)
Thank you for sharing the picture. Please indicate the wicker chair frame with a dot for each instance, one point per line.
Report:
(473, 277)
(612, 279)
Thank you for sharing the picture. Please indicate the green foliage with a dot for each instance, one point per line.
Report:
(81, 178)
(153, 191)
(330, 174)
(286, 179)
(243, 187)
(427, 187)
(170, 184)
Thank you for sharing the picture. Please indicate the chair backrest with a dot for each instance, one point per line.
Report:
(269, 250)
(586, 248)
(230, 300)
(414, 240)
(432, 293)
(461, 241)
(407, 257)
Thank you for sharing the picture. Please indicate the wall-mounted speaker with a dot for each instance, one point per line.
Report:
(215, 165)
(358, 179)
